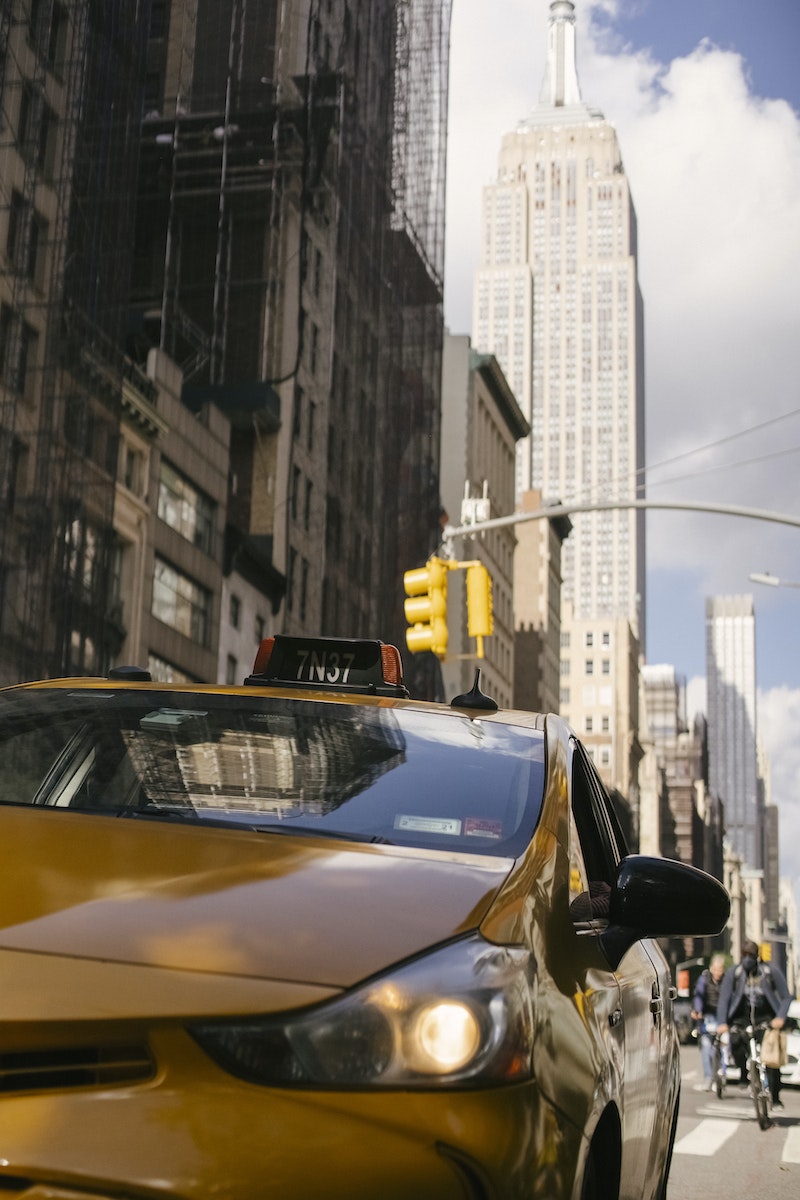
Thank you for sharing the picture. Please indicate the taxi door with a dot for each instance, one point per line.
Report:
(637, 1020)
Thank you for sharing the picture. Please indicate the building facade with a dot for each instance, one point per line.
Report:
(289, 256)
(732, 731)
(254, 189)
(481, 425)
(600, 692)
(537, 608)
(71, 78)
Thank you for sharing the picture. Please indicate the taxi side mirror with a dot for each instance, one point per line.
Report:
(659, 897)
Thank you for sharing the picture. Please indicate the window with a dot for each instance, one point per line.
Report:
(164, 672)
(295, 492)
(312, 408)
(260, 627)
(589, 638)
(589, 666)
(303, 588)
(83, 557)
(158, 19)
(133, 470)
(605, 724)
(297, 422)
(181, 603)
(234, 611)
(152, 92)
(22, 379)
(46, 142)
(35, 259)
(606, 666)
(231, 669)
(57, 42)
(6, 326)
(588, 724)
(185, 508)
(15, 240)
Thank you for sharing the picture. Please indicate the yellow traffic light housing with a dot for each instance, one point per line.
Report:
(480, 618)
(426, 608)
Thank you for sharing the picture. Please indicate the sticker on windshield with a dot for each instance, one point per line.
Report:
(427, 824)
(479, 827)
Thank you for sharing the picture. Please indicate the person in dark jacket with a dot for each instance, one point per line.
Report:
(753, 992)
(704, 1011)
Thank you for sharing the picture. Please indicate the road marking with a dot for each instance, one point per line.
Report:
(791, 1149)
(707, 1137)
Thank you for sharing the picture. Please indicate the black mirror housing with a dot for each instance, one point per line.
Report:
(659, 897)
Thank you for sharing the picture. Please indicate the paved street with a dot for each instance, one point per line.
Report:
(721, 1152)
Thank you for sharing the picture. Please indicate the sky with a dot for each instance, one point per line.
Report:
(705, 98)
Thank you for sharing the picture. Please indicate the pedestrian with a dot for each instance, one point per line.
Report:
(704, 1011)
(752, 993)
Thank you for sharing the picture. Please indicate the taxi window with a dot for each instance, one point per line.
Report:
(397, 775)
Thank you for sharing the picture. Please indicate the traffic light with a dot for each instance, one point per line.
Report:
(480, 619)
(426, 608)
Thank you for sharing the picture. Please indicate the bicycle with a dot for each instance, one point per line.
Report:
(713, 1044)
(719, 1062)
(757, 1075)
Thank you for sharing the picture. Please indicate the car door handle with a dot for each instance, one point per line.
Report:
(673, 993)
(656, 1006)
(615, 1017)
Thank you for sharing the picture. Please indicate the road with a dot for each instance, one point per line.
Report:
(720, 1152)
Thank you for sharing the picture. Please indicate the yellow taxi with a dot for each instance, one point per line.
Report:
(310, 938)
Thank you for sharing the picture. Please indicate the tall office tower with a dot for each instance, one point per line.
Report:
(731, 701)
(557, 301)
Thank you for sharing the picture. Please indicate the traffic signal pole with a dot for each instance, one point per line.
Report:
(565, 510)
(426, 606)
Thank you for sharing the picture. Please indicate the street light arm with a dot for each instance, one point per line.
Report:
(563, 510)
(773, 580)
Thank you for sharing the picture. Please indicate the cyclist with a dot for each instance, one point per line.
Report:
(704, 1011)
(753, 992)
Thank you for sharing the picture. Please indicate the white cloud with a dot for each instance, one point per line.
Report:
(715, 176)
(779, 730)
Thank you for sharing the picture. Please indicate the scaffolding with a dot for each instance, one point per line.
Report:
(69, 107)
(285, 159)
(291, 232)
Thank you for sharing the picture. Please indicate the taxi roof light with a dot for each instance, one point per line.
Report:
(334, 664)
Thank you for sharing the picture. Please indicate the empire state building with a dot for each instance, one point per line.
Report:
(557, 301)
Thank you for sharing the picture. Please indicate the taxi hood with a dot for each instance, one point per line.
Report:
(256, 906)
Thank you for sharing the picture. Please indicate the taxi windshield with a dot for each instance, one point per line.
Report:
(398, 775)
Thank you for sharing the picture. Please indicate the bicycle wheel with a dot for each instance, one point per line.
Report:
(717, 1073)
(760, 1100)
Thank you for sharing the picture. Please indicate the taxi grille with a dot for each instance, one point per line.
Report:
(74, 1067)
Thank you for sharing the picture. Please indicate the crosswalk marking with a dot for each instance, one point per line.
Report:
(707, 1137)
(791, 1149)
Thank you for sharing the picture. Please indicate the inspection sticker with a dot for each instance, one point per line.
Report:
(427, 824)
(480, 827)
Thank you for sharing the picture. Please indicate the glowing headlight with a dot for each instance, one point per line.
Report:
(461, 1016)
(444, 1038)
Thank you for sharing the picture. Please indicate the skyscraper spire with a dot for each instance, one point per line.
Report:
(560, 87)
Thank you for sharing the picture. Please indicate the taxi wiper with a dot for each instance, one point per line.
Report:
(318, 831)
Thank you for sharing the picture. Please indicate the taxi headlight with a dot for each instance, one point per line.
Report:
(460, 1016)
